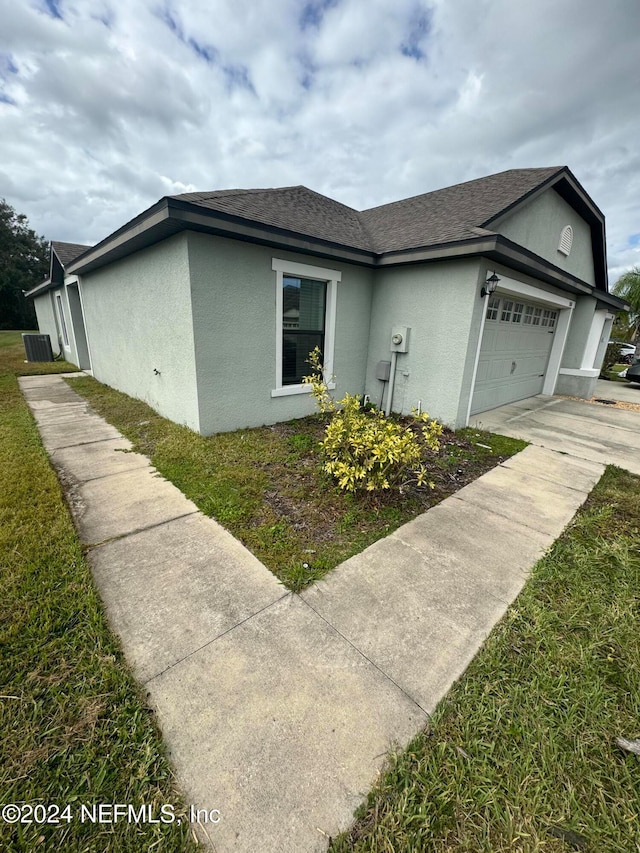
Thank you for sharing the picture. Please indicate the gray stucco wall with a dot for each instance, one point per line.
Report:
(538, 225)
(233, 290)
(46, 319)
(579, 331)
(438, 302)
(138, 320)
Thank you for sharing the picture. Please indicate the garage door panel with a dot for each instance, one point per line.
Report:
(513, 354)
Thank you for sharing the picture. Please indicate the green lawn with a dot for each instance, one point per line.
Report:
(73, 726)
(615, 370)
(522, 754)
(265, 485)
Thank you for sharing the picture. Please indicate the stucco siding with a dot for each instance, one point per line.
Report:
(138, 321)
(581, 322)
(46, 319)
(538, 225)
(234, 309)
(438, 302)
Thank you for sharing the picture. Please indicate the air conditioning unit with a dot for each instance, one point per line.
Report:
(37, 347)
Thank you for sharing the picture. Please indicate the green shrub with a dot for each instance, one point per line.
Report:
(611, 357)
(364, 450)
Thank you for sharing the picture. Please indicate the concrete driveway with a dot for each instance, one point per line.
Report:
(594, 431)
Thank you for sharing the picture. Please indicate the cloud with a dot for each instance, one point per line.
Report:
(105, 105)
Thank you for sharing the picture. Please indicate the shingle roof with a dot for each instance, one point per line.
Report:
(67, 252)
(448, 214)
(429, 219)
(295, 209)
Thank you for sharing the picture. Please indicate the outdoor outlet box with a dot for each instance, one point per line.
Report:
(400, 338)
(383, 370)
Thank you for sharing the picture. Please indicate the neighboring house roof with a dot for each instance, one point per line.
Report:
(62, 255)
(68, 252)
(455, 221)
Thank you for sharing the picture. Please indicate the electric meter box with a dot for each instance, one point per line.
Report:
(400, 338)
(383, 370)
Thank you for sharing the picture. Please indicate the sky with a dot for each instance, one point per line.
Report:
(108, 105)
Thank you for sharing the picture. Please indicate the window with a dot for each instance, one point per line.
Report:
(537, 313)
(549, 319)
(528, 316)
(305, 319)
(303, 323)
(518, 308)
(492, 307)
(507, 307)
(63, 325)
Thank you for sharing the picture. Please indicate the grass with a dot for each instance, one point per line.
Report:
(73, 726)
(265, 486)
(612, 373)
(521, 755)
(13, 362)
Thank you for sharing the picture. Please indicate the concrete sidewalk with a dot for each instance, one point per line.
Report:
(278, 709)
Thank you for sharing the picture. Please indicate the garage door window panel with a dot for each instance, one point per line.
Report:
(493, 307)
(507, 308)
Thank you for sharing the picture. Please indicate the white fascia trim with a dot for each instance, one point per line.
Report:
(579, 371)
(332, 277)
(519, 288)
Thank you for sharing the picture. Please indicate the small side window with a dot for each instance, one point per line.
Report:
(63, 324)
(518, 308)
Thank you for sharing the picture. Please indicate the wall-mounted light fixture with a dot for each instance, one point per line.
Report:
(490, 285)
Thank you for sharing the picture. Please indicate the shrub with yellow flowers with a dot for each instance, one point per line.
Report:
(365, 451)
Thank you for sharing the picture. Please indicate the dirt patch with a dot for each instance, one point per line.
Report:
(600, 401)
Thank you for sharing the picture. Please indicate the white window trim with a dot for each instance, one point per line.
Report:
(332, 277)
(63, 321)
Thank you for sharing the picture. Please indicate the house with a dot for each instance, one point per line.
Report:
(58, 307)
(206, 305)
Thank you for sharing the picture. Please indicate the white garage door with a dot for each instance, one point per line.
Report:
(514, 352)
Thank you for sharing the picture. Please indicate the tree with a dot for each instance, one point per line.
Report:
(628, 288)
(24, 262)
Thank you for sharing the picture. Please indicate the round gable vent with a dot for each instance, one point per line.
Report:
(566, 239)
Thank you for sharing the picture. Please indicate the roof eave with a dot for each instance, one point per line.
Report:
(571, 190)
(144, 230)
(235, 227)
(170, 216)
(39, 289)
(501, 250)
